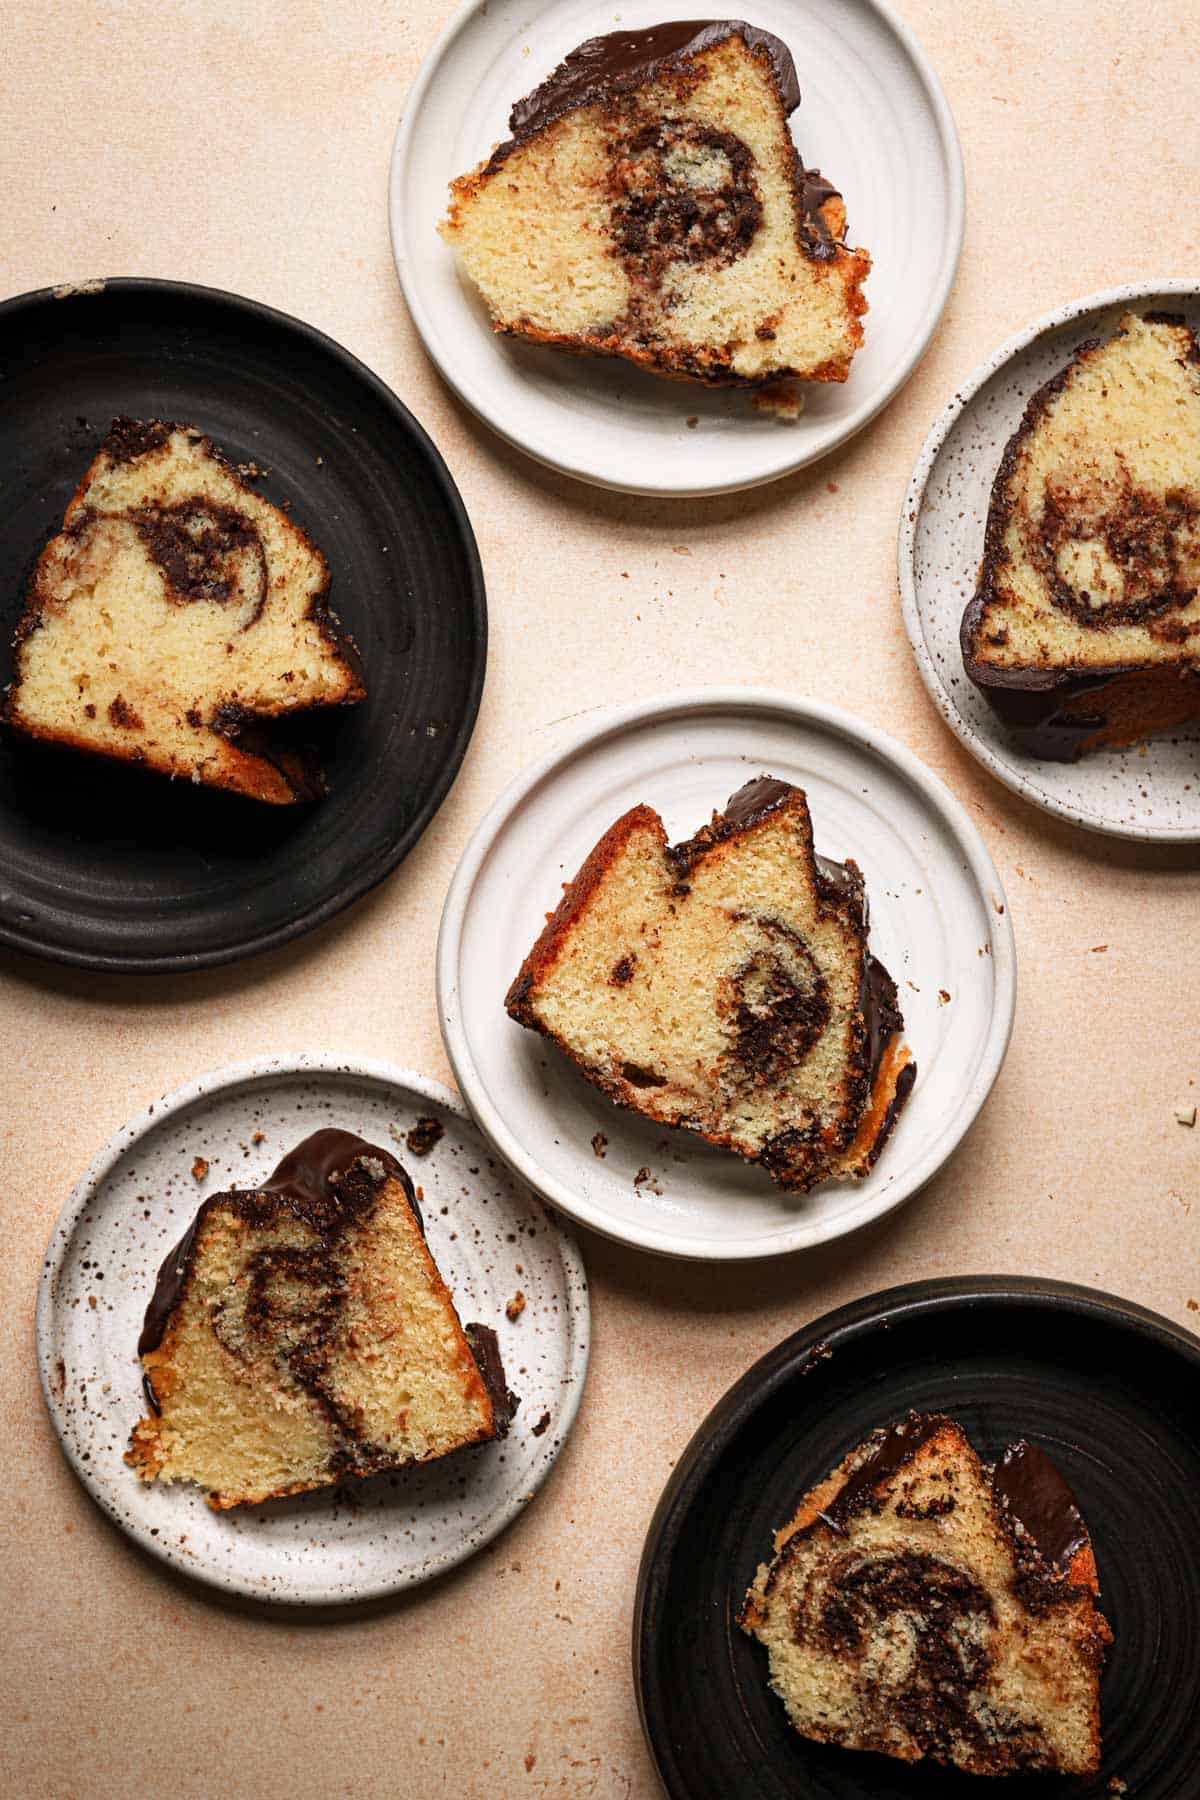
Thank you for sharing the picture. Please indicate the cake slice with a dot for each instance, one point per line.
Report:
(725, 985)
(175, 615)
(301, 1332)
(921, 1604)
(1085, 627)
(650, 204)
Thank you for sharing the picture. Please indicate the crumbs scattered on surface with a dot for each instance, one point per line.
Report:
(1193, 1305)
(599, 1144)
(542, 1425)
(530, 1759)
(782, 399)
(199, 1169)
(692, 421)
(1099, 949)
(516, 1306)
(425, 1135)
(943, 997)
(645, 1179)
(818, 1354)
(258, 1137)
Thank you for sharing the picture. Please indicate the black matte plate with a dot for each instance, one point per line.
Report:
(1111, 1391)
(114, 868)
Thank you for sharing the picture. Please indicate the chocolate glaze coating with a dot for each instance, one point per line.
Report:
(1037, 1495)
(621, 60)
(485, 1348)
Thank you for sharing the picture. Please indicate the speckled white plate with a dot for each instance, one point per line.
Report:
(938, 921)
(872, 116)
(1151, 791)
(490, 1239)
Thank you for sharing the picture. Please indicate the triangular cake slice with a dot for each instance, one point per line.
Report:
(175, 615)
(301, 1332)
(725, 985)
(923, 1604)
(1085, 627)
(650, 204)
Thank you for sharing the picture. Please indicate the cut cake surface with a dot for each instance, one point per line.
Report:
(651, 205)
(175, 615)
(1085, 627)
(923, 1604)
(725, 985)
(301, 1332)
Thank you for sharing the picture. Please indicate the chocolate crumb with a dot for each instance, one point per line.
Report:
(542, 1425)
(199, 1169)
(943, 997)
(425, 1134)
(516, 1306)
(599, 1144)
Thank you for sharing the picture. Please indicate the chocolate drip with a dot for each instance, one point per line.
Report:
(485, 1348)
(324, 1181)
(1037, 1495)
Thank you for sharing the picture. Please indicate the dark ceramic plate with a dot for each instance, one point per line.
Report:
(1110, 1390)
(113, 868)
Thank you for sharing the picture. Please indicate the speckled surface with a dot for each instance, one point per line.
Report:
(511, 1676)
(496, 1249)
(1150, 791)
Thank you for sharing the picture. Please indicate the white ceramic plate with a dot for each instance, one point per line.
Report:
(1151, 791)
(365, 1539)
(873, 117)
(938, 921)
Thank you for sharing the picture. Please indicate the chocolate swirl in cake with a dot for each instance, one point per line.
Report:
(1115, 554)
(683, 193)
(206, 552)
(777, 1004)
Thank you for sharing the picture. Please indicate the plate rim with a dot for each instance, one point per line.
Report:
(751, 1390)
(400, 845)
(610, 722)
(906, 543)
(379, 1072)
(785, 464)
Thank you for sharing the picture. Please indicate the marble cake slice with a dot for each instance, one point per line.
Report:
(1084, 630)
(177, 615)
(921, 1604)
(651, 205)
(725, 985)
(301, 1332)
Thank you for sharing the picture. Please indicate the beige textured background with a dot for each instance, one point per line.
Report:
(188, 141)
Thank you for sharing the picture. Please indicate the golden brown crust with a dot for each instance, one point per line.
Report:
(545, 952)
